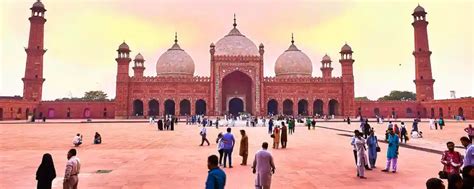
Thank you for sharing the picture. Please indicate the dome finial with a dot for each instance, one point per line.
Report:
(292, 39)
(235, 21)
(175, 37)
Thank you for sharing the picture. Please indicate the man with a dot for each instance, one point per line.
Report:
(435, 183)
(284, 135)
(469, 155)
(392, 151)
(264, 167)
(73, 168)
(229, 143)
(216, 177)
(160, 124)
(244, 147)
(77, 140)
(354, 149)
(270, 126)
(203, 134)
(451, 160)
(470, 132)
(313, 123)
(361, 161)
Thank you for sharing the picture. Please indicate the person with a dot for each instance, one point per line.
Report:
(431, 123)
(348, 120)
(173, 121)
(276, 137)
(372, 144)
(229, 143)
(97, 138)
(470, 132)
(455, 181)
(244, 147)
(220, 147)
(160, 124)
(46, 172)
(270, 126)
(415, 125)
(468, 177)
(392, 151)
(359, 144)
(313, 123)
(366, 128)
(73, 167)
(434, 183)
(77, 140)
(403, 133)
(452, 160)
(354, 149)
(216, 177)
(284, 135)
(264, 167)
(308, 123)
(291, 125)
(441, 123)
(203, 134)
(469, 155)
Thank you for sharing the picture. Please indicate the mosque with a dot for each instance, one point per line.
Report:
(236, 83)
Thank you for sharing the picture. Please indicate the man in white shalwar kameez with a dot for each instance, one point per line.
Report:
(264, 167)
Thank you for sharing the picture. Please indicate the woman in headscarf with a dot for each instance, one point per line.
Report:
(46, 172)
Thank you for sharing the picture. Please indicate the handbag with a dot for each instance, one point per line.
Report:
(443, 175)
(272, 135)
(377, 149)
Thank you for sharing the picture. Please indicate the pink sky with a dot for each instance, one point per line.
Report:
(82, 36)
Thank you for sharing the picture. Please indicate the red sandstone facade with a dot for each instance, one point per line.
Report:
(236, 84)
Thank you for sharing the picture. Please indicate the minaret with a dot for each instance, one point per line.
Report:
(121, 88)
(424, 80)
(33, 80)
(347, 80)
(326, 68)
(139, 66)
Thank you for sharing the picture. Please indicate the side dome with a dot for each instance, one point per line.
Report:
(175, 62)
(124, 46)
(235, 44)
(419, 9)
(38, 4)
(346, 48)
(293, 63)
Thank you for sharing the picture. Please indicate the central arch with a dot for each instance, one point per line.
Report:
(236, 105)
(288, 107)
(200, 107)
(272, 107)
(237, 85)
(184, 107)
(153, 108)
(318, 107)
(137, 108)
(333, 107)
(303, 107)
(169, 107)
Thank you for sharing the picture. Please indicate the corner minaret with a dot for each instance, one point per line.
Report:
(123, 78)
(326, 68)
(347, 80)
(33, 80)
(424, 80)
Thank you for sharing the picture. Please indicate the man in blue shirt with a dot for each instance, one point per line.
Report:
(229, 142)
(469, 155)
(216, 177)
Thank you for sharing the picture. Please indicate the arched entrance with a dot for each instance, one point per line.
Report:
(200, 107)
(184, 107)
(333, 107)
(432, 113)
(137, 108)
(1, 113)
(272, 107)
(303, 107)
(169, 107)
(288, 107)
(87, 113)
(318, 107)
(153, 108)
(237, 85)
(440, 112)
(51, 113)
(27, 112)
(460, 112)
(236, 105)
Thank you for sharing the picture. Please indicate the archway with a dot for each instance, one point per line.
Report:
(272, 107)
(137, 108)
(303, 107)
(27, 112)
(105, 113)
(409, 112)
(237, 85)
(169, 107)
(288, 107)
(432, 113)
(153, 108)
(68, 113)
(377, 111)
(200, 107)
(184, 107)
(460, 111)
(440, 112)
(333, 107)
(51, 113)
(318, 107)
(1, 113)
(236, 105)
(87, 113)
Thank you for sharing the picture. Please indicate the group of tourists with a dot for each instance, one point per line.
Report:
(77, 140)
(166, 123)
(435, 122)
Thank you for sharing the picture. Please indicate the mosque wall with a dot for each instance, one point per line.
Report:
(76, 109)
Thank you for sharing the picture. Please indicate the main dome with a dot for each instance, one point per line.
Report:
(293, 63)
(235, 44)
(175, 62)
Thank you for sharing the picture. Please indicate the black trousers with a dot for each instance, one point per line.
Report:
(203, 138)
(221, 153)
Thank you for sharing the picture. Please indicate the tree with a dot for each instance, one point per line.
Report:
(399, 95)
(95, 95)
(362, 98)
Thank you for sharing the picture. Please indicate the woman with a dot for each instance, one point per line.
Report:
(276, 138)
(220, 147)
(403, 133)
(284, 135)
(46, 172)
(97, 138)
(455, 181)
(372, 144)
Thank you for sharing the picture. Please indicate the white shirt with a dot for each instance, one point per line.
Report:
(203, 131)
(76, 140)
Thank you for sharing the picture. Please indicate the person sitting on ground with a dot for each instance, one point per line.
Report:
(97, 138)
(77, 140)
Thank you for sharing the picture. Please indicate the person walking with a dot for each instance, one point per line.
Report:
(359, 143)
(73, 167)
(46, 172)
(403, 133)
(216, 177)
(264, 167)
(244, 147)
(203, 134)
(270, 126)
(313, 123)
(372, 145)
(220, 147)
(392, 151)
(470, 132)
(284, 135)
(229, 143)
(276, 137)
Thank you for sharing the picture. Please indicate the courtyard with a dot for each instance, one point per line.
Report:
(136, 155)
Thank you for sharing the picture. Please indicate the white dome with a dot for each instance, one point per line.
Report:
(235, 44)
(175, 62)
(293, 63)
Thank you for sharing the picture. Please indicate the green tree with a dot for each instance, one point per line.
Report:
(399, 95)
(95, 95)
(362, 98)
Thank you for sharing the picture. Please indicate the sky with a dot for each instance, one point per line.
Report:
(82, 37)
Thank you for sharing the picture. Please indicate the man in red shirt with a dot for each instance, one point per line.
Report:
(452, 160)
